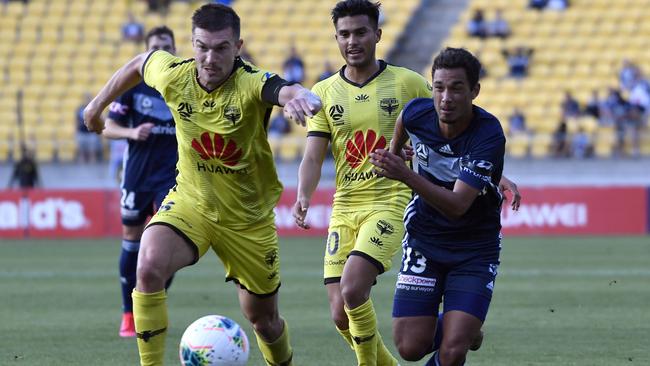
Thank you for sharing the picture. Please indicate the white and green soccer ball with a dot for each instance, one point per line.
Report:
(214, 340)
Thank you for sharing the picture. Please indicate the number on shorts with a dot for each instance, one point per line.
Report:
(128, 199)
(333, 243)
(420, 261)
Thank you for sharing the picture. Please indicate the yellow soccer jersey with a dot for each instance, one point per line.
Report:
(225, 164)
(359, 119)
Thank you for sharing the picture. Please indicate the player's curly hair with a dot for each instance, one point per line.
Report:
(159, 31)
(348, 8)
(454, 58)
(215, 17)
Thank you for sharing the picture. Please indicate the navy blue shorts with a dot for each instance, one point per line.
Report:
(136, 207)
(463, 279)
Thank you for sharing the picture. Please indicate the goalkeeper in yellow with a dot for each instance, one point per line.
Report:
(360, 105)
(226, 185)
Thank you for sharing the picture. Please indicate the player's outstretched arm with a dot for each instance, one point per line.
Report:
(298, 102)
(505, 185)
(452, 204)
(124, 79)
(113, 130)
(309, 176)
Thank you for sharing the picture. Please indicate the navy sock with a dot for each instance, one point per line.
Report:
(128, 264)
(434, 360)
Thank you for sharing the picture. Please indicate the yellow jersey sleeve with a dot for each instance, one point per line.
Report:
(318, 124)
(418, 85)
(160, 69)
(260, 85)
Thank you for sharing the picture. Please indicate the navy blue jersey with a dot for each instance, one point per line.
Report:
(475, 157)
(149, 165)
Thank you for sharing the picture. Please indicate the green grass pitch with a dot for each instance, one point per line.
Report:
(558, 301)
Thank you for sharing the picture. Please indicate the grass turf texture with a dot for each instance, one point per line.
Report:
(558, 301)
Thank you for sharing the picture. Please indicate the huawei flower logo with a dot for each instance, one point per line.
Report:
(361, 146)
(217, 148)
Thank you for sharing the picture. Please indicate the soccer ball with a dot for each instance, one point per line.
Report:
(214, 340)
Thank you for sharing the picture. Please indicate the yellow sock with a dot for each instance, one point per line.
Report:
(150, 315)
(363, 329)
(384, 358)
(278, 352)
(345, 333)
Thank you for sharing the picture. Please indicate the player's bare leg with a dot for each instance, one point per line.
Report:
(356, 282)
(337, 311)
(460, 331)
(476, 343)
(271, 330)
(162, 253)
(413, 336)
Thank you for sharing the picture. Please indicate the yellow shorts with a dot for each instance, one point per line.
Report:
(250, 255)
(374, 235)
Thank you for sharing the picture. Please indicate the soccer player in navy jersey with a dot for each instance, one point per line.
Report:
(141, 116)
(452, 242)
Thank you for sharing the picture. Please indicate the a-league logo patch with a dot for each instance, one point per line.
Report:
(422, 152)
(166, 206)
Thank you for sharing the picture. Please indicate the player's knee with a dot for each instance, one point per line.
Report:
(339, 318)
(452, 355)
(149, 276)
(353, 295)
(264, 323)
(411, 351)
(259, 317)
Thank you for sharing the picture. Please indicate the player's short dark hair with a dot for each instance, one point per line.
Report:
(159, 31)
(215, 17)
(349, 8)
(454, 58)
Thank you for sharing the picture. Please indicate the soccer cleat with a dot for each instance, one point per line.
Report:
(476, 343)
(127, 328)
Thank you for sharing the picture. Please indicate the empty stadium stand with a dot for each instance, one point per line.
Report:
(579, 49)
(57, 50)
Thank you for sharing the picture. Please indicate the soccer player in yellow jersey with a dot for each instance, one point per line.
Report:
(360, 106)
(226, 186)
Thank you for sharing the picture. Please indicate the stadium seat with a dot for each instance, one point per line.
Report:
(518, 145)
(604, 141)
(86, 34)
(580, 49)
